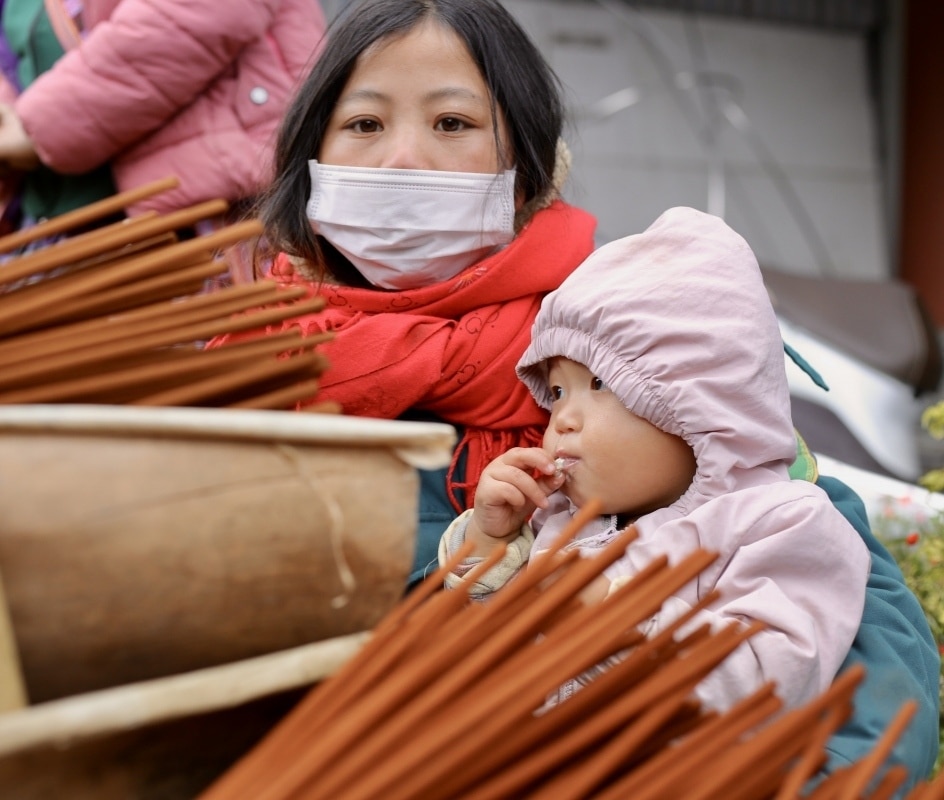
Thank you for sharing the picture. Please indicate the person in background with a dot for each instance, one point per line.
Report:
(417, 189)
(661, 363)
(107, 95)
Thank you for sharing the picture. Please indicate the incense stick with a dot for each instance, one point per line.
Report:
(85, 215)
(428, 714)
(119, 314)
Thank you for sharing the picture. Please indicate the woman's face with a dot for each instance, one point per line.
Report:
(416, 101)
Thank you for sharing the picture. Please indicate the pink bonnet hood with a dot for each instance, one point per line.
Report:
(677, 322)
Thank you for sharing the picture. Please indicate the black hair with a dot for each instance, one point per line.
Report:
(519, 79)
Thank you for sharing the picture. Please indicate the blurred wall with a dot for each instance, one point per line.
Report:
(771, 126)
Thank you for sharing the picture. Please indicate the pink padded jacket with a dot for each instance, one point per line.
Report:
(190, 88)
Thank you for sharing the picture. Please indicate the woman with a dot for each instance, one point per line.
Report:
(444, 347)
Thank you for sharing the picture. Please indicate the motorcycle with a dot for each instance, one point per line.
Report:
(864, 356)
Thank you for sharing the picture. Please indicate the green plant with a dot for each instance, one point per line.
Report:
(920, 554)
(932, 420)
(915, 539)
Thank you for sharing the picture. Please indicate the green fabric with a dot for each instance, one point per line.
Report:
(804, 466)
(30, 37)
(46, 193)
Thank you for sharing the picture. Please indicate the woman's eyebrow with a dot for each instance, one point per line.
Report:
(452, 92)
(442, 93)
(361, 94)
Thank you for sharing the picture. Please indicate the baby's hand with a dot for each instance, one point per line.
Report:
(508, 492)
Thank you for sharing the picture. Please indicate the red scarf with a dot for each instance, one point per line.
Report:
(451, 348)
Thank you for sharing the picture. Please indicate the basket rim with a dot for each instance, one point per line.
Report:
(423, 444)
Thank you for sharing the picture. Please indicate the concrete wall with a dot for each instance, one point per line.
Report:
(770, 126)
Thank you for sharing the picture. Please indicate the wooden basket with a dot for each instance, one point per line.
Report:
(164, 739)
(141, 543)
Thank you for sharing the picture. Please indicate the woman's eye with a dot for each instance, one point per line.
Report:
(365, 126)
(451, 125)
(556, 392)
(597, 385)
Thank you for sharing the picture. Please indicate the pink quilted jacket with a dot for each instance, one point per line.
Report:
(192, 88)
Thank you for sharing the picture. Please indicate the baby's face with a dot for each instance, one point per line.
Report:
(607, 452)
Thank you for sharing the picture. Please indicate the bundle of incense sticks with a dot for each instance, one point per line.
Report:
(120, 315)
(448, 699)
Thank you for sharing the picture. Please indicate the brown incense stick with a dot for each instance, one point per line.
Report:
(86, 215)
(121, 314)
(70, 251)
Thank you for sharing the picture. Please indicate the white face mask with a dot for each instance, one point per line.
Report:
(405, 228)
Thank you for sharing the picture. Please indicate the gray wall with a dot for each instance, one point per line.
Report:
(770, 126)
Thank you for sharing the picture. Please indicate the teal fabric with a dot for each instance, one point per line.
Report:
(894, 644)
(803, 364)
(46, 193)
(901, 659)
(435, 515)
(31, 37)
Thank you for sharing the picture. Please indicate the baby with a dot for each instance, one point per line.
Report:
(661, 362)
